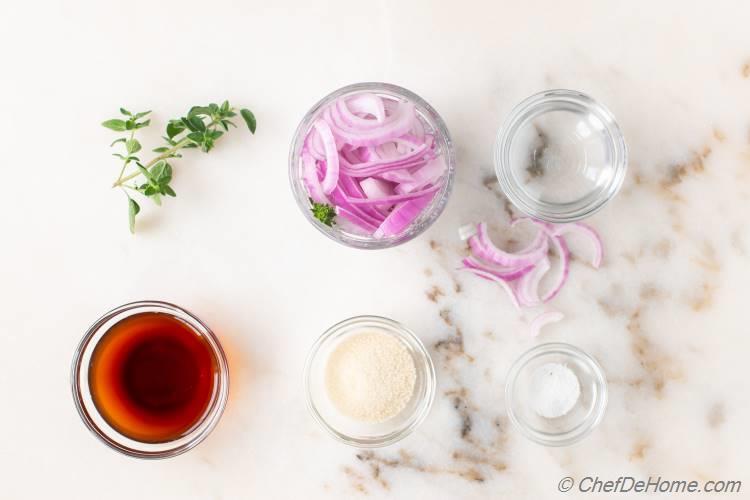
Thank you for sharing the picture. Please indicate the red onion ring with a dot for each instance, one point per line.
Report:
(520, 273)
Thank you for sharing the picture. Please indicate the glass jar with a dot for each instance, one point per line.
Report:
(432, 123)
(94, 419)
(365, 434)
(560, 156)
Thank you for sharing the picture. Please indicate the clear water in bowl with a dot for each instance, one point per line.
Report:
(560, 156)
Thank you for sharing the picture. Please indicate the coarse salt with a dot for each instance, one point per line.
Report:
(370, 377)
(554, 390)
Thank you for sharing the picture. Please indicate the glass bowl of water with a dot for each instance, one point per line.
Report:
(560, 156)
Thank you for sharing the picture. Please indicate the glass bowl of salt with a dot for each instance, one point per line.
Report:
(369, 381)
(556, 394)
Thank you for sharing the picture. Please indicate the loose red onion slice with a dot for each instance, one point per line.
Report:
(563, 253)
(504, 273)
(544, 319)
(562, 250)
(503, 284)
(579, 228)
(528, 285)
(487, 260)
(587, 232)
(538, 240)
(483, 247)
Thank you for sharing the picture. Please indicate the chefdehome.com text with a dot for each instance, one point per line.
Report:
(652, 484)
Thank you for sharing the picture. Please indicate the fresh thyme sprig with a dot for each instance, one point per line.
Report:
(324, 212)
(200, 128)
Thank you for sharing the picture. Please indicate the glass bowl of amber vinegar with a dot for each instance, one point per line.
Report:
(150, 379)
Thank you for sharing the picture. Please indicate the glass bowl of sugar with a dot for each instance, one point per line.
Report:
(369, 381)
(556, 394)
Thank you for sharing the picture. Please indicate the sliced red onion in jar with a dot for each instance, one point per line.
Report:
(396, 198)
(351, 188)
(424, 176)
(394, 126)
(332, 156)
(376, 188)
(340, 200)
(310, 179)
(402, 216)
(375, 161)
(356, 220)
(367, 104)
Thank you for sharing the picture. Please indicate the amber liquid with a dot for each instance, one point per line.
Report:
(152, 377)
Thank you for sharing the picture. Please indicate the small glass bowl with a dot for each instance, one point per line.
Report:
(94, 420)
(560, 156)
(350, 431)
(580, 420)
(432, 123)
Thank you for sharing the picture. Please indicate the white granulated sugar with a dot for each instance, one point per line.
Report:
(554, 390)
(370, 376)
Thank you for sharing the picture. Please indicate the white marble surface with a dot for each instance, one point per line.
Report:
(666, 315)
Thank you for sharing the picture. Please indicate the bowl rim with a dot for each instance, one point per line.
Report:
(432, 212)
(107, 434)
(562, 212)
(581, 430)
(421, 411)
